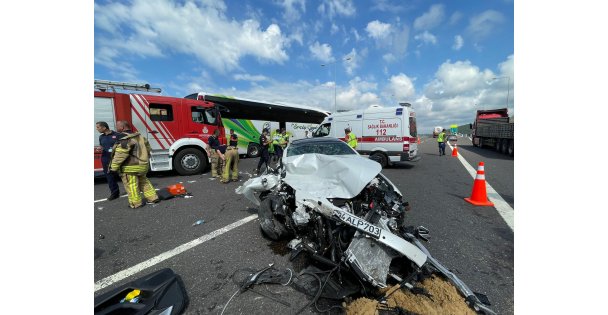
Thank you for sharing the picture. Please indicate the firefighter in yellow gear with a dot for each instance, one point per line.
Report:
(130, 157)
(232, 159)
(350, 138)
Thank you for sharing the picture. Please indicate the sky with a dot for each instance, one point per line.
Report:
(447, 59)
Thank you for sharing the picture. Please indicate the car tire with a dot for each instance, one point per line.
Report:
(190, 161)
(253, 150)
(271, 227)
(380, 158)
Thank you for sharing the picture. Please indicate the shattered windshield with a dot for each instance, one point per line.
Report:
(338, 148)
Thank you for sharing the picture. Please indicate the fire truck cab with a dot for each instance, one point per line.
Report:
(178, 129)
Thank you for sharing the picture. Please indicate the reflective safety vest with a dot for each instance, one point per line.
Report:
(440, 137)
(351, 140)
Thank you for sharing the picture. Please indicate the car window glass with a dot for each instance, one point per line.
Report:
(338, 148)
(322, 131)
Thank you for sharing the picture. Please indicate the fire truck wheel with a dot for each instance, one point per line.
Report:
(189, 161)
(380, 158)
(511, 147)
(253, 150)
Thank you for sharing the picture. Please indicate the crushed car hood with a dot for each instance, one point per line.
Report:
(329, 176)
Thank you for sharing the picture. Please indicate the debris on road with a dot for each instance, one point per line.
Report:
(99, 208)
(199, 222)
(445, 299)
(101, 236)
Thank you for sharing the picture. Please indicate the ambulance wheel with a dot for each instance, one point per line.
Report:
(253, 150)
(189, 161)
(380, 158)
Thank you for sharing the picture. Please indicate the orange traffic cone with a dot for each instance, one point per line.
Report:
(455, 150)
(479, 196)
(418, 140)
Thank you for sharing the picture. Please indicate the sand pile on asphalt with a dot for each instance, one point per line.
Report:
(446, 300)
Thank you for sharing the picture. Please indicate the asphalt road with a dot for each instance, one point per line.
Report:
(474, 242)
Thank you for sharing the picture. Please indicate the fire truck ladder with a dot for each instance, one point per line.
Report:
(104, 85)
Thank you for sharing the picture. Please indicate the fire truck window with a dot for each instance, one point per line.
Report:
(198, 115)
(413, 128)
(211, 116)
(161, 112)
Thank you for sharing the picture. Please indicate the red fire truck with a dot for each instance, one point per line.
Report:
(177, 128)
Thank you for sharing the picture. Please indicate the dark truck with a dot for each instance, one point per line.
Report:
(494, 128)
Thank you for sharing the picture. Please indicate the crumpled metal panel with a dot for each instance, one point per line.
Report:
(371, 258)
(328, 176)
(257, 184)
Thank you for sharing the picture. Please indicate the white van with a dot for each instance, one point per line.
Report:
(385, 134)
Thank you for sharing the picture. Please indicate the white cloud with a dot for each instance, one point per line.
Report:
(458, 42)
(389, 57)
(333, 8)
(482, 25)
(357, 36)
(292, 13)
(456, 17)
(458, 89)
(355, 59)
(321, 52)
(426, 38)
(249, 77)
(334, 28)
(401, 88)
(378, 30)
(387, 6)
(430, 19)
(162, 27)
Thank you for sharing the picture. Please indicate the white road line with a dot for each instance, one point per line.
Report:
(503, 208)
(104, 199)
(168, 254)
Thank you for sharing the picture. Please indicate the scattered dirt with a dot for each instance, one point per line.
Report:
(445, 300)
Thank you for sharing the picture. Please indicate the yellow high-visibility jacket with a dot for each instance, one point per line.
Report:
(351, 139)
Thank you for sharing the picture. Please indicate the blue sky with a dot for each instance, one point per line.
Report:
(446, 58)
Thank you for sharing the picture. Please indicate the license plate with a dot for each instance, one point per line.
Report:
(357, 223)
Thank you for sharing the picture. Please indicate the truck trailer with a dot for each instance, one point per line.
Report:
(494, 128)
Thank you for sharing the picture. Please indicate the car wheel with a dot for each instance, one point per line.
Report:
(189, 161)
(253, 150)
(271, 227)
(380, 158)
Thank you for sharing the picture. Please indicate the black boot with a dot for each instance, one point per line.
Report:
(114, 196)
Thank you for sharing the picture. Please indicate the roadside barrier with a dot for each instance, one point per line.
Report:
(479, 196)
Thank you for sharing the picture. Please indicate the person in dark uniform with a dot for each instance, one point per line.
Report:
(264, 156)
(217, 152)
(106, 142)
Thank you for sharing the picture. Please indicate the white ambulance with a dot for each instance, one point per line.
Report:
(385, 134)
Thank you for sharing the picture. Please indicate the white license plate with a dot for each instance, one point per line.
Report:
(358, 223)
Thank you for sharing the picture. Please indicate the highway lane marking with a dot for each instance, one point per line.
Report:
(168, 254)
(503, 208)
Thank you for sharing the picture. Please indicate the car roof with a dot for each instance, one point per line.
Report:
(319, 140)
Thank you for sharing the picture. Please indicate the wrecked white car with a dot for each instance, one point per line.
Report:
(348, 217)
